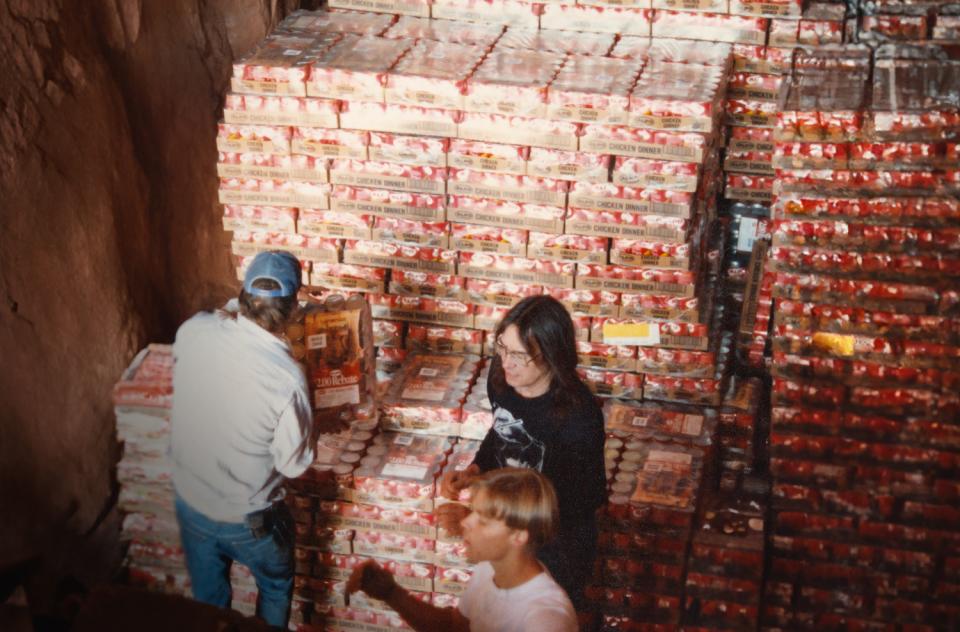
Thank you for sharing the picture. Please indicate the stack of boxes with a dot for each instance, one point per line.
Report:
(142, 400)
(866, 252)
(658, 459)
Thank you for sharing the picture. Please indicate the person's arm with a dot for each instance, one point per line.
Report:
(423, 617)
(293, 446)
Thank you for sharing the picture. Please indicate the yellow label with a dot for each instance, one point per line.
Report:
(834, 343)
(631, 334)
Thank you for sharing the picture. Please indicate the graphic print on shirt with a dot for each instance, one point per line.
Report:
(519, 448)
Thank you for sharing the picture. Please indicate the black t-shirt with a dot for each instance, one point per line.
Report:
(566, 447)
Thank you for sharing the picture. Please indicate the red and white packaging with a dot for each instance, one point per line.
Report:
(343, 276)
(411, 150)
(330, 143)
(388, 175)
(748, 85)
(398, 119)
(280, 64)
(355, 68)
(261, 109)
(496, 212)
(483, 156)
(433, 74)
(648, 253)
(271, 166)
(394, 546)
(656, 174)
(635, 280)
(659, 422)
(676, 362)
(434, 234)
(483, 184)
(567, 247)
(408, 27)
(499, 293)
(568, 165)
(428, 284)
(444, 339)
(386, 203)
(750, 139)
(400, 255)
(613, 198)
(517, 269)
(596, 19)
(304, 247)
(261, 139)
(422, 309)
(690, 52)
(709, 6)
(415, 8)
(644, 143)
(712, 27)
(259, 218)
(509, 12)
(683, 97)
(388, 333)
(495, 239)
(427, 396)
(519, 130)
(601, 356)
(592, 90)
(513, 82)
(451, 579)
(356, 22)
(587, 302)
(658, 306)
(598, 44)
(612, 383)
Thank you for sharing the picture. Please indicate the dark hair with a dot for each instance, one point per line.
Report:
(546, 332)
(271, 313)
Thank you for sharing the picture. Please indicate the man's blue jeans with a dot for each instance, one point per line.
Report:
(211, 547)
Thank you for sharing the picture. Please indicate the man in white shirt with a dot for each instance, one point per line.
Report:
(514, 513)
(241, 421)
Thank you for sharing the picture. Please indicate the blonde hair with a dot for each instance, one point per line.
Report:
(523, 498)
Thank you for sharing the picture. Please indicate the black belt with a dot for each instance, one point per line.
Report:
(262, 522)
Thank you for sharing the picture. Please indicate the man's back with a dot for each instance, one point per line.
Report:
(238, 396)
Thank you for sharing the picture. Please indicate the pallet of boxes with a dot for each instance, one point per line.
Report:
(866, 252)
(446, 168)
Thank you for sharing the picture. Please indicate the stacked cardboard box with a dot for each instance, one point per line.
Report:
(864, 441)
(142, 400)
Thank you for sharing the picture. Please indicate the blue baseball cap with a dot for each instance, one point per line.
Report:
(276, 265)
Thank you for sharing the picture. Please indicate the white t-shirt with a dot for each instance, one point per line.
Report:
(241, 416)
(538, 605)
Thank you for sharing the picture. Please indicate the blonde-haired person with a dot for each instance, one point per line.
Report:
(514, 512)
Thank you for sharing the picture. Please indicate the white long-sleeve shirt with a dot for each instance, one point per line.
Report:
(241, 416)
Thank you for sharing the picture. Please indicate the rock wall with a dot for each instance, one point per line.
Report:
(110, 236)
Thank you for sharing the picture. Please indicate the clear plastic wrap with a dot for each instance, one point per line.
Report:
(408, 27)
(598, 44)
(413, 150)
(386, 203)
(567, 247)
(592, 90)
(355, 68)
(496, 239)
(568, 165)
(512, 81)
(260, 109)
(322, 22)
(339, 276)
(280, 64)
(260, 218)
(660, 422)
(509, 12)
(596, 19)
(432, 74)
(484, 156)
(427, 396)
(432, 234)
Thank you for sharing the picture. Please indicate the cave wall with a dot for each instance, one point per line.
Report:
(110, 236)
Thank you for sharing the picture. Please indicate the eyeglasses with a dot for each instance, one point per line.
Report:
(518, 358)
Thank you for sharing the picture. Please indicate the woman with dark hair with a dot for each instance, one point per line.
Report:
(545, 418)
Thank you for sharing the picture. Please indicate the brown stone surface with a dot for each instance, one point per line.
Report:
(110, 234)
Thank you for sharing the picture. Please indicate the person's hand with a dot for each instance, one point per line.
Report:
(454, 481)
(371, 579)
(449, 517)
